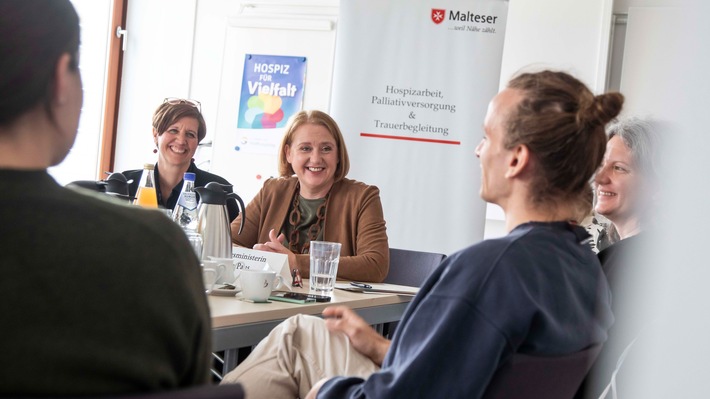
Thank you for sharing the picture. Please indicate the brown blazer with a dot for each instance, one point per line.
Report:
(353, 218)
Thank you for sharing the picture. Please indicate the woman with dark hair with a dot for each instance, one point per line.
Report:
(539, 290)
(178, 128)
(80, 311)
(312, 200)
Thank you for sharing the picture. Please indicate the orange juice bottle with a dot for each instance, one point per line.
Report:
(146, 195)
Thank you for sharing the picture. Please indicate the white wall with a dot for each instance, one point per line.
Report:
(622, 6)
(567, 35)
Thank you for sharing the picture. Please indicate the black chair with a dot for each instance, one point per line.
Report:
(411, 268)
(533, 377)
(227, 391)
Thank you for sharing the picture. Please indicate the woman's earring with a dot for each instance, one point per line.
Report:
(155, 150)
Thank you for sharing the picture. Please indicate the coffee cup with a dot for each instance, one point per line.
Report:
(224, 268)
(209, 276)
(257, 284)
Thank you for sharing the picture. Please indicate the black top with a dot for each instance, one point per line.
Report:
(539, 290)
(201, 179)
(628, 281)
(97, 296)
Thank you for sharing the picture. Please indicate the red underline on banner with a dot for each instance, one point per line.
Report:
(384, 136)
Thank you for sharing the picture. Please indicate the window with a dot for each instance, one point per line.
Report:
(97, 36)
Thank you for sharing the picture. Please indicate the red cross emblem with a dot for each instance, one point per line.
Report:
(437, 15)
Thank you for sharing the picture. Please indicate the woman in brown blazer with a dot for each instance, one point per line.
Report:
(312, 200)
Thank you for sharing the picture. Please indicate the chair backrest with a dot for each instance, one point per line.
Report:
(533, 377)
(411, 267)
(94, 185)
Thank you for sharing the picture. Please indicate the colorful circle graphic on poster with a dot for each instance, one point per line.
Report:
(264, 111)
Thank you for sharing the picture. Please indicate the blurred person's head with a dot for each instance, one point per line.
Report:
(314, 150)
(39, 71)
(178, 127)
(626, 182)
(546, 130)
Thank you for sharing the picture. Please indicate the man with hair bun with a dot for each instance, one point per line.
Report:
(539, 290)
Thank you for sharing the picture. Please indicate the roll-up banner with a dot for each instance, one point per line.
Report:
(411, 85)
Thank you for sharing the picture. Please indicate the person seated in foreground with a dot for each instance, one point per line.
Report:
(178, 127)
(312, 200)
(96, 297)
(539, 290)
(626, 187)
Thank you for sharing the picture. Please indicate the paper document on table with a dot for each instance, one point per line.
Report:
(379, 288)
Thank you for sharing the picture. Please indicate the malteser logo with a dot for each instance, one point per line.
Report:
(437, 15)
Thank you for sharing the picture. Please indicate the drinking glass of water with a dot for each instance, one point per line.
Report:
(324, 266)
(196, 242)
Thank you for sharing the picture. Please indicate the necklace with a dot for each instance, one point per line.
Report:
(294, 218)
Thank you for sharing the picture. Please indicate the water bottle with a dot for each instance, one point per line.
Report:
(185, 212)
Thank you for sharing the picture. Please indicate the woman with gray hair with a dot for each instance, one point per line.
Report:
(625, 187)
(626, 182)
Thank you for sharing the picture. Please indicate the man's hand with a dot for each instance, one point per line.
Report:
(363, 337)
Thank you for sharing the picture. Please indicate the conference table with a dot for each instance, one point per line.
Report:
(237, 323)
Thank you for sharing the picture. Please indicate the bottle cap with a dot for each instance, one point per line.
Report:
(189, 176)
(148, 166)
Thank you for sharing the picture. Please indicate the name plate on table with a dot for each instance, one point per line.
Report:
(252, 259)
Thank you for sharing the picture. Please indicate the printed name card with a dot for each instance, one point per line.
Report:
(252, 259)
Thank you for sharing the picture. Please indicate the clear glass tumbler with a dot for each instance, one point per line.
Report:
(325, 257)
(196, 242)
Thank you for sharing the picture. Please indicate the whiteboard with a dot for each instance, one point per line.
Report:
(313, 38)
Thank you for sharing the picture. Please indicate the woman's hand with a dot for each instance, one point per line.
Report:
(363, 337)
(275, 244)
